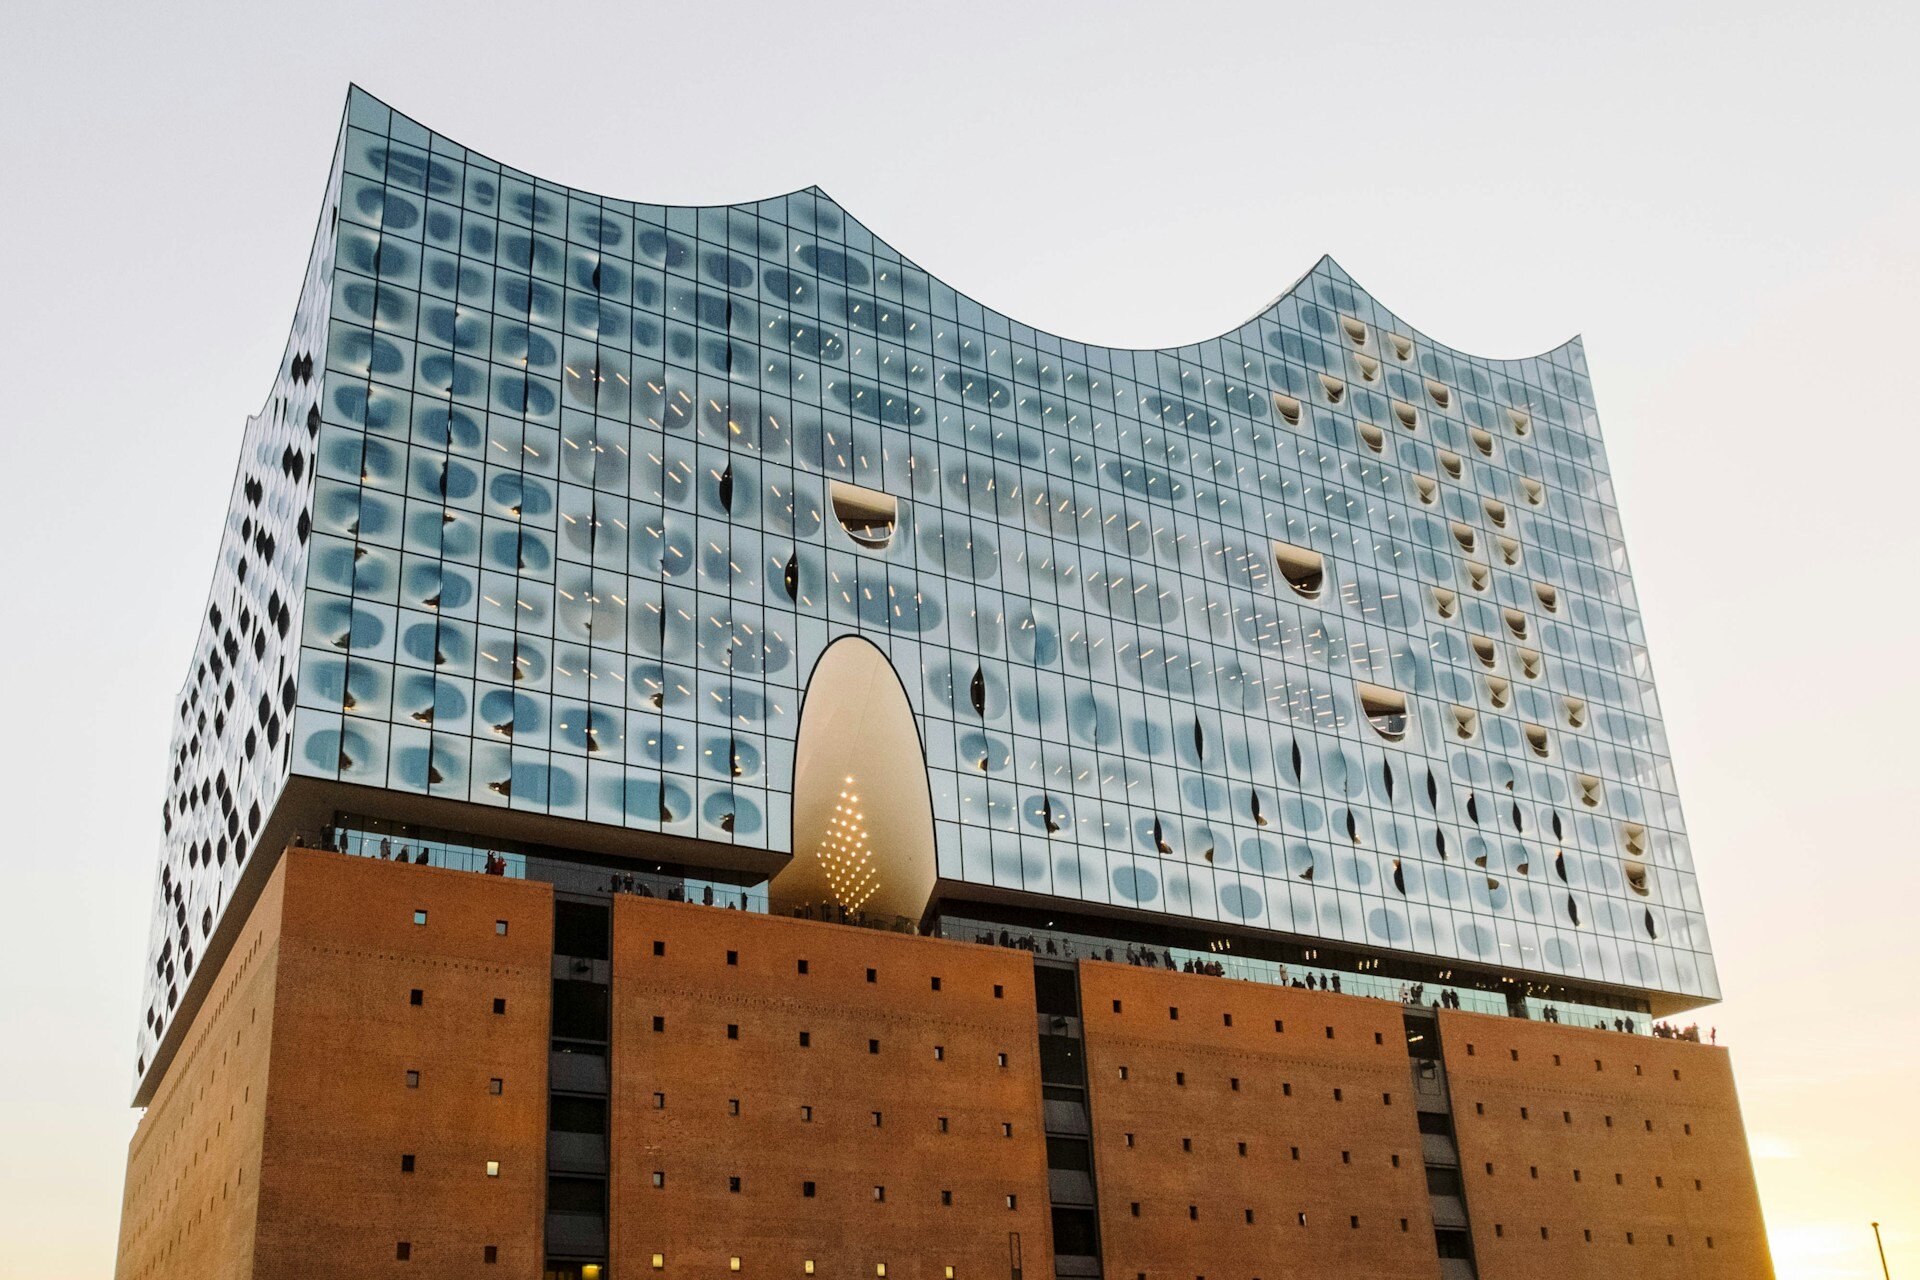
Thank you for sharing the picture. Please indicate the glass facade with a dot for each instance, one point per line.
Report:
(1318, 626)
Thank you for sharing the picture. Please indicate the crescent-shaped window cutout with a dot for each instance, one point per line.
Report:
(1304, 570)
(1637, 877)
(1385, 709)
(868, 516)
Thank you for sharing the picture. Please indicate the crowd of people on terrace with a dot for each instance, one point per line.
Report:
(1147, 957)
(1689, 1033)
(385, 851)
(1409, 993)
(675, 891)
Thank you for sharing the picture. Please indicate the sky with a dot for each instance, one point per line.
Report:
(1721, 198)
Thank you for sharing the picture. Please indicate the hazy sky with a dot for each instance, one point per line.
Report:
(1723, 199)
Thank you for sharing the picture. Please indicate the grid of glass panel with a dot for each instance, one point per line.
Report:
(232, 733)
(1317, 626)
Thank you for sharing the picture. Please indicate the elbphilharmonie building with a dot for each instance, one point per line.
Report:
(723, 556)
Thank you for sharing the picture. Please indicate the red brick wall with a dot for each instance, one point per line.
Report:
(273, 1147)
(1193, 1204)
(193, 1167)
(696, 1141)
(334, 1202)
(1652, 1128)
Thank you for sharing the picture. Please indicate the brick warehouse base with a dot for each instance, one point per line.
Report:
(369, 1091)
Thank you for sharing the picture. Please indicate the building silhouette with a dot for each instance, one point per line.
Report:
(883, 790)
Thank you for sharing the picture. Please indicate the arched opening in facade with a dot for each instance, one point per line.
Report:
(1305, 570)
(1385, 709)
(862, 811)
(867, 515)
